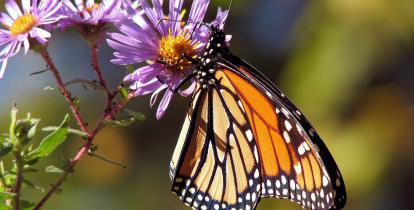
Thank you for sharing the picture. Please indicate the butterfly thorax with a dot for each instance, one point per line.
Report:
(215, 49)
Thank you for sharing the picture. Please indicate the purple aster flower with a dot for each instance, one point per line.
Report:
(22, 26)
(90, 17)
(159, 40)
(90, 13)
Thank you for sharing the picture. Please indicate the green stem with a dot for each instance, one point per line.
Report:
(19, 179)
(2, 172)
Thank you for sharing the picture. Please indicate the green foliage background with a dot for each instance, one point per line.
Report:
(349, 66)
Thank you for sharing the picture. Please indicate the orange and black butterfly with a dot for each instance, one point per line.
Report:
(243, 140)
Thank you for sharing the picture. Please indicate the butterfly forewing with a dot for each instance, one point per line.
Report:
(214, 165)
(290, 165)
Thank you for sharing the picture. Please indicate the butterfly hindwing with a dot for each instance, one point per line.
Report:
(214, 166)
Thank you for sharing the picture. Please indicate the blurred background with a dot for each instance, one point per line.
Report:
(348, 65)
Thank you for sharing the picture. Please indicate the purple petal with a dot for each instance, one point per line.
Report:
(3, 67)
(90, 3)
(144, 74)
(220, 18)
(26, 6)
(162, 107)
(79, 4)
(198, 10)
(13, 9)
(189, 90)
(69, 4)
(175, 10)
(6, 20)
(154, 96)
(146, 88)
(26, 45)
(40, 35)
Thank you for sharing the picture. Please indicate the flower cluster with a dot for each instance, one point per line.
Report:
(146, 36)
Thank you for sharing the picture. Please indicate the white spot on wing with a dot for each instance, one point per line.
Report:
(268, 183)
(288, 125)
(249, 135)
(192, 190)
(286, 137)
(256, 155)
(325, 181)
(241, 105)
(306, 146)
(292, 184)
(301, 149)
(269, 94)
(286, 112)
(284, 181)
(256, 174)
(277, 183)
(248, 196)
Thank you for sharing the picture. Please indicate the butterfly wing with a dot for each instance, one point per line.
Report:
(214, 165)
(295, 163)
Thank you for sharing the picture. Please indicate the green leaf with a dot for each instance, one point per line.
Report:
(32, 130)
(5, 207)
(54, 169)
(120, 123)
(26, 170)
(32, 185)
(27, 205)
(49, 143)
(3, 138)
(10, 179)
(5, 148)
(124, 92)
(137, 115)
(6, 195)
(130, 68)
(71, 131)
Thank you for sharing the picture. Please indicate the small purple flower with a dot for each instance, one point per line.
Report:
(91, 18)
(159, 40)
(87, 12)
(20, 26)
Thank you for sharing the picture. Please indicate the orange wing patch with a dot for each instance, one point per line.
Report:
(289, 166)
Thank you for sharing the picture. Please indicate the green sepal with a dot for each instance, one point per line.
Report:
(5, 148)
(26, 205)
(54, 169)
(120, 123)
(137, 115)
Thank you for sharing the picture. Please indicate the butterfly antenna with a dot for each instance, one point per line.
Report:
(231, 4)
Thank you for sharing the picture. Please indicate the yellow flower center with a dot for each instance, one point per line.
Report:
(23, 24)
(89, 9)
(172, 48)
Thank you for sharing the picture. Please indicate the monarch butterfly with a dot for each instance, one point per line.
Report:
(243, 140)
